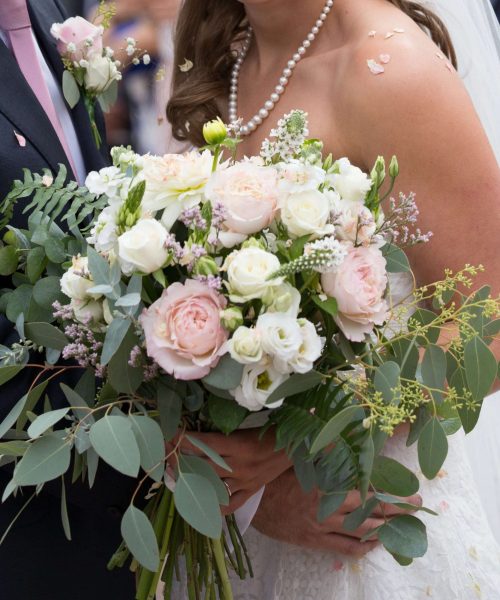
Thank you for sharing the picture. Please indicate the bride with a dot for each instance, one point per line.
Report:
(373, 82)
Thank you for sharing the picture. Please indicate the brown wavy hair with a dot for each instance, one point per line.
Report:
(207, 31)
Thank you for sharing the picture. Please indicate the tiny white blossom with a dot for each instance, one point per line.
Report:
(71, 48)
(146, 59)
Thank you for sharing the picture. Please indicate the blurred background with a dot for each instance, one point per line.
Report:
(138, 118)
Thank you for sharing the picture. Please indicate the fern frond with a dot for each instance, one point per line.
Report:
(77, 203)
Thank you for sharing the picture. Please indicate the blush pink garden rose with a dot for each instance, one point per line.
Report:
(248, 194)
(85, 37)
(358, 285)
(183, 330)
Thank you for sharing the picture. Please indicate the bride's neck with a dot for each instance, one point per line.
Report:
(279, 26)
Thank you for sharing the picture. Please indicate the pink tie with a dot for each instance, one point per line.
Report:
(15, 21)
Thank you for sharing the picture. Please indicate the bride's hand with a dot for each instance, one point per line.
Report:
(253, 461)
(288, 514)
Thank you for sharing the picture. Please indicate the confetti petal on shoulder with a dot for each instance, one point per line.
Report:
(385, 58)
(449, 66)
(21, 140)
(375, 67)
(439, 55)
(388, 35)
(372, 33)
(186, 66)
(398, 30)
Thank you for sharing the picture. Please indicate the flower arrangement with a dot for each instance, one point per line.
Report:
(206, 289)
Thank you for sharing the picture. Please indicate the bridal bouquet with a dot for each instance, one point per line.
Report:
(204, 290)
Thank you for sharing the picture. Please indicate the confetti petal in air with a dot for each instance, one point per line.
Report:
(186, 66)
(388, 35)
(439, 55)
(372, 33)
(375, 67)
(21, 140)
(449, 67)
(398, 30)
(385, 58)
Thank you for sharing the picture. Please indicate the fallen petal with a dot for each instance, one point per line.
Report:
(439, 55)
(186, 66)
(398, 30)
(375, 67)
(21, 140)
(385, 58)
(372, 33)
(388, 35)
(449, 66)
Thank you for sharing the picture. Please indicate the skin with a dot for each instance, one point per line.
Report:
(418, 110)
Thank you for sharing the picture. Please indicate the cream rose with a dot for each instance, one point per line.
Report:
(77, 280)
(258, 382)
(350, 182)
(307, 213)
(245, 346)
(143, 247)
(248, 271)
(100, 73)
(89, 312)
(248, 194)
(358, 285)
(183, 331)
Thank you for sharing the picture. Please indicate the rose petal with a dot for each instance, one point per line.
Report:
(449, 67)
(375, 67)
(388, 35)
(186, 66)
(21, 140)
(372, 33)
(398, 30)
(385, 58)
(439, 55)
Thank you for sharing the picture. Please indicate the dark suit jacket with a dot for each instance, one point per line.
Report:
(36, 561)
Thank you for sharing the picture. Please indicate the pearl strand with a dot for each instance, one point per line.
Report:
(279, 89)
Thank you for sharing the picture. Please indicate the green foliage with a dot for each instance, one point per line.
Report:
(114, 441)
(480, 367)
(296, 384)
(397, 262)
(47, 458)
(404, 535)
(46, 421)
(225, 413)
(197, 503)
(139, 535)
(170, 408)
(8, 260)
(226, 375)
(44, 334)
(334, 428)
(392, 477)
(199, 466)
(151, 444)
(432, 448)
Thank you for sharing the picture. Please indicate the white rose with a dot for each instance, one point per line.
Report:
(307, 213)
(77, 280)
(142, 248)
(298, 177)
(310, 349)
(245, 346)
(248, 271)
(283, 298)
(100, 73)
(281, 338)
(87, 311)
(258, 382)
(351, 183)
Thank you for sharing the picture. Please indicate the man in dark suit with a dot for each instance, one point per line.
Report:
(496, 6)
(37, 131)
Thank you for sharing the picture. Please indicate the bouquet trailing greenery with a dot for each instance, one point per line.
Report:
(201, 291)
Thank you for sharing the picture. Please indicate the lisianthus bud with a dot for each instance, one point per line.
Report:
(206, 265)
(214, 132)
(394, 167)
(378, 171)
(231, 318)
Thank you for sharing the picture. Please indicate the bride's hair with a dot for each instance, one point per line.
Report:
(206, 34)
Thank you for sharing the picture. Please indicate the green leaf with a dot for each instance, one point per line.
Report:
(212, 454)
(227, 415)
(433, 371)
(45, 334)
(7, 373)
(92, 464)
(19, 302)
(480, 368)
(388, 499)
(334, 428)
(416, 427)
(114, 441)
(13, 448)
(397, 262)
(46, 421)
(108, 97)
(75, 400)
(128, 300)
(139, 535)
(394, 478)
(151, 445)
(226, 375)
(32, 399)
(432, 448)
(329, 305)
(35, 263)
(404, 535)
(55, 250)
(358, 516)
(64, 512)
(330, 503)
(199, 466)
(98, 267)
(197, 503)
(70, 89)
(46, 291)
(366, 460)
(8, 260)
(47, 458)
(114, 337)
(170, 407)
(423, 318)
(386, 381)
(123, 377)
(406, 355)
(295, 384)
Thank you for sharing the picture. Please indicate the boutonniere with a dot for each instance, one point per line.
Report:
(91, 70)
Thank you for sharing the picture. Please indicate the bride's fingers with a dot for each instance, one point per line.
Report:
(364, 529)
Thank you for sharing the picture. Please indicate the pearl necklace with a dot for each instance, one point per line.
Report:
(263, 113)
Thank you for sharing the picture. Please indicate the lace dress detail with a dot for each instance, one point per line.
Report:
(462, 562)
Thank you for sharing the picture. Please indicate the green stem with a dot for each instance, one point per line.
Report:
(220, 561)
(216, 158)
(89, 105)
(190, 575)
(236, 548)
(242, 544)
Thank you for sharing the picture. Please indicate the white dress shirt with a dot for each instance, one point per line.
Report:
(61, 110)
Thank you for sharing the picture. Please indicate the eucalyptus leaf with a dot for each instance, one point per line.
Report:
(433, 371)
(432, 448)
(46, 291)
(358, 516)
(199, 466)
(121, 375)
(46, 421)
(13, 448)
(64, 512)
(8, 260)
(170, 408)
(8, 373)
(113, 440)
(423, 318)
(128, 300)
(35, 263)
(45, 334)
(197, 503)
(330, 503)
(404, 535)
(397, 261)
(151, 445)
(55, 250)
(226, 375)
(92, 464)
(334, 428)
(386, 381)
(480, 368)
(295, 384)
(114, 337)
(212, 454)
(47, 458)
(78, 404)
(366, 460)
(32, 399)
(70, 89)
(139, 535)
(98, 267)
(329, 305)
(394, 478)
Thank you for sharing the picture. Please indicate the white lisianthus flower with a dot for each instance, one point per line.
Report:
(77, 280)
(143, 247)
(245, 346)
(101, 73)
(283, 298)
(307, 213)
(248, 271)
(175, 182)
(350, 182)
(106, 181)
(87, 311)
(258, 382)
(295, 176)
(281, 338)
(310, 349)
(104, 235)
